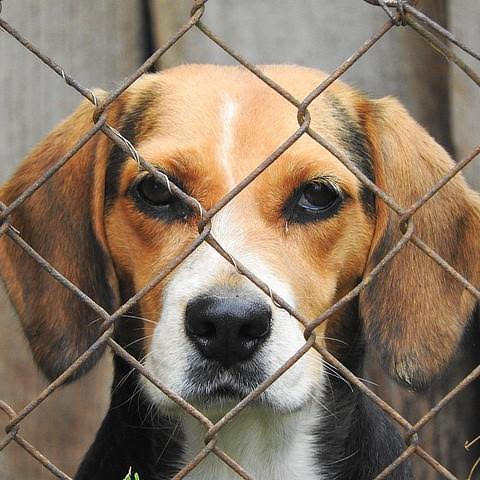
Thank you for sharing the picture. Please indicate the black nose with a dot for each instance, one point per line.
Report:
(227, 328)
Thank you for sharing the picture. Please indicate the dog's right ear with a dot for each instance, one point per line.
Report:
(63, 222)
(415, 314)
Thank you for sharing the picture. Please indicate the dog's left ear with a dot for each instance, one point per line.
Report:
(64, 222)
(414, 312)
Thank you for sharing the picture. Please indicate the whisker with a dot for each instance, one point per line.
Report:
(371, 382)
(333, 372)
(145, 337)
(95, 321)
(332, 339)
(343, 459)
(120, 384)
(141, 318)
(317, 401)
(125, 378)
(170, 438)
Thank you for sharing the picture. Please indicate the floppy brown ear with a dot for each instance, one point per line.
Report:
(414, 312)
(63, 222)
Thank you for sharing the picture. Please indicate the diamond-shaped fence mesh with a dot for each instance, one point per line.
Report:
(398, 13)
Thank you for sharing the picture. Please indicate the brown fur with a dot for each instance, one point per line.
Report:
(418, 331)
(414, 313)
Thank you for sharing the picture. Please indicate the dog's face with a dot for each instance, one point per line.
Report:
(303, 227)
(306, 227)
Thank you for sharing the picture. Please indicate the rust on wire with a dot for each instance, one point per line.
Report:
(145, 67)
(195, 461)
(399, 12)
(444, 50)
(442, 31)
(402, 458)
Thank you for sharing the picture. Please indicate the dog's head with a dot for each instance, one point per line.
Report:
(306, 227)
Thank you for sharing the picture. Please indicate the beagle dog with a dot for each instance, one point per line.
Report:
(306, 226)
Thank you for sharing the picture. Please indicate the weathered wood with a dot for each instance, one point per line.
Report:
(464, 93)
(98, 42)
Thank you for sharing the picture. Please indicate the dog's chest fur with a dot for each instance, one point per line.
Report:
(266, 446)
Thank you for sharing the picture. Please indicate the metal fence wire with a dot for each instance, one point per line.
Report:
(399, 13)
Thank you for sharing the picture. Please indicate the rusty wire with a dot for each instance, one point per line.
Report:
(399, 13)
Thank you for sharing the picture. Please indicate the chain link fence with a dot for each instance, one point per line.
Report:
(398, 14)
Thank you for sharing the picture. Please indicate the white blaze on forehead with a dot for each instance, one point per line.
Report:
(228, 110)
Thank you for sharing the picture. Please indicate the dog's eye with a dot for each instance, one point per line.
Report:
(312, 201)
(154, 192)
(318, 197)
(154, 199)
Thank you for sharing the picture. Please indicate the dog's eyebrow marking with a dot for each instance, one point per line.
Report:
(355, 141)
(117, 158)
(228, 111)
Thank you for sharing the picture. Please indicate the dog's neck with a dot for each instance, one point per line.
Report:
(266, 444)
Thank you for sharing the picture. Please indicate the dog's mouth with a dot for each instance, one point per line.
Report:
(209, 384)
(214, 389)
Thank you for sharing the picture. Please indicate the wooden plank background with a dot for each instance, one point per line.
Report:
(99, 42)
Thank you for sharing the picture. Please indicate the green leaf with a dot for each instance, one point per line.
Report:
(136, 476)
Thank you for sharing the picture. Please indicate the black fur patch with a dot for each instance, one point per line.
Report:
(131, 436)
(130, 130)
(356, 440)
(355, 141)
